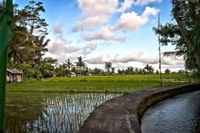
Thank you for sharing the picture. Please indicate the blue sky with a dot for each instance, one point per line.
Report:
(119, 31)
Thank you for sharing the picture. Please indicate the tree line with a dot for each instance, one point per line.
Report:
(80, 68)
(29, 42)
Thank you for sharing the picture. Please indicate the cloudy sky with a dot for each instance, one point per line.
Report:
(119, 31)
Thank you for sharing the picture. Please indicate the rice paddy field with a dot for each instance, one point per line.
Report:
(118, 83)
(60, 105)
(50, 112)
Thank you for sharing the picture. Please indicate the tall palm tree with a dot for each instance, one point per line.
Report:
(68, 64)
(25, 46)
(21, 47)
(41, 44)
(80, 63)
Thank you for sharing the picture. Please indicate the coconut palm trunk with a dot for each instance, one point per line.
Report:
(80, 63)
(5, 36)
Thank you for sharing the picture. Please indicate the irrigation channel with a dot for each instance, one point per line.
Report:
(50, 112)
(180, 114)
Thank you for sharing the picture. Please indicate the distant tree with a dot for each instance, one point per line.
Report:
(181, 71)
(136, 70)
(167, 71)
(81, 64)
(41, 44)
(113, 70)
(148, 69)
(73, 69)
(47, 67)
(60, 72)
(28, 71)
(64, 69)
(96, 71)
(130, 70)
(108, 66)
(121, 71)
(87, 71)
(157, 72)
(68, 64)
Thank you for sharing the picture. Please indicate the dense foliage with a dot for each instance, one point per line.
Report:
(185, 34)
(29, 42)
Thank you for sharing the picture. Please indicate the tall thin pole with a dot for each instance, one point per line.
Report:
(159, 48)
(5, 36)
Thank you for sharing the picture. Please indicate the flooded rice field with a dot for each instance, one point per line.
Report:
(180, 114)
(50, 112)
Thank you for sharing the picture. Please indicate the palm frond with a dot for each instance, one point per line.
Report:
(170, 53)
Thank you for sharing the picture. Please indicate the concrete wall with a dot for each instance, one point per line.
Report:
(123, 114)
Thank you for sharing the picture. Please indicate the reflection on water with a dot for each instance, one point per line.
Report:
(50, 112)
(179, 114)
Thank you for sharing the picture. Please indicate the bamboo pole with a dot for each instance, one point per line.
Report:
(5, 36)
(159, 49)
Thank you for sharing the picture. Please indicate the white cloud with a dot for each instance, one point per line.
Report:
(133, 21)
(153, 59)
(104, 33)
(127, 58)
(149, 11)
(94, 13)
(87, 49)
(101, 59)
(89, 23)
(62, 49)
(125, 5)
(94, 23)
(145, 2)
(58, 29)
(137, 57)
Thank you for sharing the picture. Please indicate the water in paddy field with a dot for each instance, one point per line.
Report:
(50, 112)
(180, 114)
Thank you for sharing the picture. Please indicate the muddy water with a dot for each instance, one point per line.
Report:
(179, 114)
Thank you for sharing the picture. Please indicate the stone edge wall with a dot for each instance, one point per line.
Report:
(123, 114)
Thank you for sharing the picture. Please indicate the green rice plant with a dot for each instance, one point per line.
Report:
(50, 112)
(117, 83)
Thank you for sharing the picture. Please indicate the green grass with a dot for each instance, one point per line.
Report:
(118, 83)
(147, 77)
